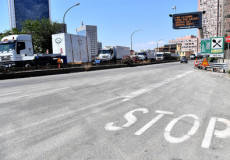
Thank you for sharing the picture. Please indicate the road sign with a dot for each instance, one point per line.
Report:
(217, 47)
(227, 39)
(205, 46)
(187, 20)
(196, 62)
(205, 63)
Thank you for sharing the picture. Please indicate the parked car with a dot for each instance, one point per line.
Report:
(183, 59)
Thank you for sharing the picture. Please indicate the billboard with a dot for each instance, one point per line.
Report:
(187, 20)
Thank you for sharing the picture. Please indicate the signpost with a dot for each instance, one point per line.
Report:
(187, 20)
(227, 39)
(217, 47)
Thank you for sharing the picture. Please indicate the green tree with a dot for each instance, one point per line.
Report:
(41, 31)
(10, 32)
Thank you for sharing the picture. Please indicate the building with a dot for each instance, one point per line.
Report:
(211, 21)
(99, 45)
(21, 10)
(188, 43)
(91, 34)
(226, 18)
(172, 48)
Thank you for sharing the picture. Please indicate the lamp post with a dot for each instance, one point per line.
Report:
(157, 44)
(174, 7)
(65, 30)
(132, 38)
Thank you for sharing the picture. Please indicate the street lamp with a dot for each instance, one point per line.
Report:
(157, 44)
(65, 30)
(132, 38)
(174, 7)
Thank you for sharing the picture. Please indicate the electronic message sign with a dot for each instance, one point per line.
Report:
(187, 20)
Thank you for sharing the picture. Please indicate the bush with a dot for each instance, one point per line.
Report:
(211, 59)
(127, 60)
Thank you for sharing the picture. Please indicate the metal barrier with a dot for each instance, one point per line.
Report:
(215, 66)
(223, 66)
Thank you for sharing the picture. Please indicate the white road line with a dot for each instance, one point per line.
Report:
(69, 113)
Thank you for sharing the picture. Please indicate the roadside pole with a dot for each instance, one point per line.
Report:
(227, 39)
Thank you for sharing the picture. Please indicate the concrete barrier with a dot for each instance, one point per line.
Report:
(45, 72)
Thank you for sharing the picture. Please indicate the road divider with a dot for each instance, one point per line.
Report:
(43, 72)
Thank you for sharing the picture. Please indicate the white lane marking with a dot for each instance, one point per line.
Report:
(131, 119)
(153, 121)
(9, 93)
(151, 87)
(211, 131)
(193, 130)
(10, 99)
(68, 113)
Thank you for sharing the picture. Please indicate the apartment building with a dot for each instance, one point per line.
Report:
(188, 43)
(211, 21)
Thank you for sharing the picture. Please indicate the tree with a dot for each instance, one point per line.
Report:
(10, 32)
(41, 31)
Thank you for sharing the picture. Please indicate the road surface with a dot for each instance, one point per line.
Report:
(157, 112)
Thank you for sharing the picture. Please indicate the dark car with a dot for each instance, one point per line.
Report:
(183, 59)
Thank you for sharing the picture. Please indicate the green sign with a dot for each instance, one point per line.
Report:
(217, 47)
(205, 46)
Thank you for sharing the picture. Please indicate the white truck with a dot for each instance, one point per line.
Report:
(76, 48)
(146, 55)
(17, 51)
(113, 53)
(160, 56)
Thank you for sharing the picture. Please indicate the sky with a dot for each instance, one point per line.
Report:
(116, 20)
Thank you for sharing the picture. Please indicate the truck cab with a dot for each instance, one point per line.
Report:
(16, 48)
(105, 54)
(142, 55)
(159, 56)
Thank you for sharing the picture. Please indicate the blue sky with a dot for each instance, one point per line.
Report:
(117, 19)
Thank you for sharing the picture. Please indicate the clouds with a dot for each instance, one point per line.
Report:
(148, 45)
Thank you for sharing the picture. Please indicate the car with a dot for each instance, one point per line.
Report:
(183, 59)
(192, 56)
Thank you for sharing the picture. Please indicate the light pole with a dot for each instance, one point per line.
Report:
(157, 44)
(174, 7)
(65, 29)
(132, 38)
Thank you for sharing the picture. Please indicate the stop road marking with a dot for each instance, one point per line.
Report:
(210, 131)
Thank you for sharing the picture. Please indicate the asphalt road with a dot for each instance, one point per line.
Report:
(157, 112)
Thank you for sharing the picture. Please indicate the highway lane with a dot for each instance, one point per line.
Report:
(164, 111)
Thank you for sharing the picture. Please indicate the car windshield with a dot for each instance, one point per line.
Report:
(141, 54)
(159, 55)
(104, 51)
(6, 47)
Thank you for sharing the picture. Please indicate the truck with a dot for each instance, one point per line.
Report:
(17, 51)
(146, 55)
(113, 53)
(75, 48)
(159, 56)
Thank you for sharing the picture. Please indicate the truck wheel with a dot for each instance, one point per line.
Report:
(48, 65)
(28, 65)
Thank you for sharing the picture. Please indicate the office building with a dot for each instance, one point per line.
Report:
(21, 10)
(91, 34)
